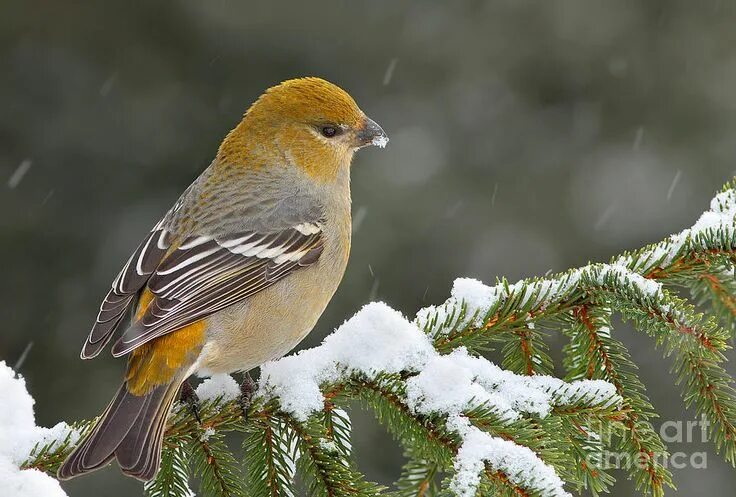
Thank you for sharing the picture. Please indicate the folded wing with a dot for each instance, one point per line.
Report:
(123, 295)
(207, 274)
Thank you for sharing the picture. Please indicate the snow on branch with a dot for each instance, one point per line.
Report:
(20, 437)
(471, 301)
(379, 340)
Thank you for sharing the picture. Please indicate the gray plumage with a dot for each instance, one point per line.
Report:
(130, 430)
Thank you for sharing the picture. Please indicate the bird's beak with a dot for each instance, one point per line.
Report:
(371, 134)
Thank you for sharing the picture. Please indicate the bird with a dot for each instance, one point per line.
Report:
(236, 273)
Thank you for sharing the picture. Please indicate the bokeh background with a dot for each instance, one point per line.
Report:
(526, 137)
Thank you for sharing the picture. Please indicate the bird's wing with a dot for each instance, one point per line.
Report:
(205, 274)
(121, 298)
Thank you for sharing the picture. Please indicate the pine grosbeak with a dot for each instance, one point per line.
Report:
(237, 272)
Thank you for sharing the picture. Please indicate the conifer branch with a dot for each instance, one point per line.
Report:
(592, 353)
(172, 479)
(270, 456)
(455, 440)
(215, 465)
(418, 478)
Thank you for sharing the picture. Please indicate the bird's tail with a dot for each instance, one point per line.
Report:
(131, 430)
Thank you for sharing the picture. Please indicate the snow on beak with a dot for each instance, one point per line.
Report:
(371, 134)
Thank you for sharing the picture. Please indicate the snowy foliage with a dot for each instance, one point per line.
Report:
(19, 435)
(377, 339)
(220, 386)
(468, 426)
(521, 464)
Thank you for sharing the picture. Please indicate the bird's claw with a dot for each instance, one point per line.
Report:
(247, 389)
(189, 396)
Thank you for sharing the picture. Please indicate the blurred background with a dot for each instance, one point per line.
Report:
(526, 137)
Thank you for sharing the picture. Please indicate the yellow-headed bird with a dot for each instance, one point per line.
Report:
(237, 272)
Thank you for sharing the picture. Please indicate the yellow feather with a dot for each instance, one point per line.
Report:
(282, 124)
(158, 361)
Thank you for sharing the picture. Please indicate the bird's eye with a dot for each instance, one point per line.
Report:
(329, 131)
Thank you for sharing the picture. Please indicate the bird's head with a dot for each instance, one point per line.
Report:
(311, 122)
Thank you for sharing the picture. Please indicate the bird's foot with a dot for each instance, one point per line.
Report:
(247, 389)
(189, 396)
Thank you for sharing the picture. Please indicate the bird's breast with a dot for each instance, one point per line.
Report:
(269, 324)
